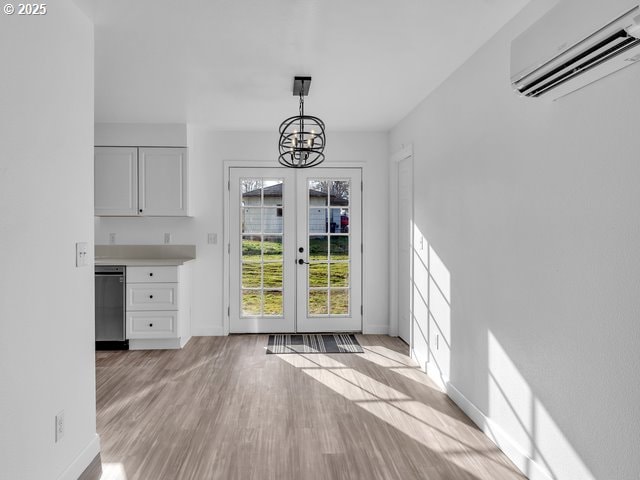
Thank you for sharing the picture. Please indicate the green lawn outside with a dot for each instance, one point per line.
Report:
(323, 274)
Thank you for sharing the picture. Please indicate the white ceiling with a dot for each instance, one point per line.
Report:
(229, 64)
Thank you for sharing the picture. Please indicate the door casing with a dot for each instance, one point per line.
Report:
(226, 244)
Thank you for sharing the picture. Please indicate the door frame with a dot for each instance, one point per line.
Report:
(226, 270)
(405, 153)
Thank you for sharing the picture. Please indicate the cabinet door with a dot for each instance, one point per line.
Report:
(116, 181)
(152, 324)
(152, 274)
(152, 296)
(163, 181)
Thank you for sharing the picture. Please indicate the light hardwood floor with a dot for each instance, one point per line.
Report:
(223, 409)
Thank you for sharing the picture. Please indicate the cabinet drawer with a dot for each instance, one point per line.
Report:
(151, 324)
(152, 296)
(152, 274)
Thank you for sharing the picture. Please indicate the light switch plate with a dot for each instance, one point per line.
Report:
(212, 238)
(59, 426)
(82, 252)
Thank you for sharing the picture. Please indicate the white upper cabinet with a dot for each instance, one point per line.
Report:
(116, 181)
(163, 181)
(148, 181)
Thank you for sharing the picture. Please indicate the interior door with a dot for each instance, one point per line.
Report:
(295, 250)
(329, 250)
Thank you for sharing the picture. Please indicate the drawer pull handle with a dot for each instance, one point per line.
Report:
(151, 324)
(151, 274)
(150, 296)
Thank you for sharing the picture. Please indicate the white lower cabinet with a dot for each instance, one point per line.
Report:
(158, 309)
(152, 324)
(152, 296)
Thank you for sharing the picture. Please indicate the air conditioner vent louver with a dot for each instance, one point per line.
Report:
(611, 48)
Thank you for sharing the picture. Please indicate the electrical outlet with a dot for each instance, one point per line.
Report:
(82, 251)
(112, 238)
(167, 238)
(59, 426)
(212, 238)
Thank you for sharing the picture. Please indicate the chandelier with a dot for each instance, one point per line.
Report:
(302, 137)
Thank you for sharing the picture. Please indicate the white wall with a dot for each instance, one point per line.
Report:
(533, 210)
(46, 201)
(208, 150)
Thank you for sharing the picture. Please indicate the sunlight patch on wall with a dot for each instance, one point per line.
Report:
(431, 295)
(515, 410)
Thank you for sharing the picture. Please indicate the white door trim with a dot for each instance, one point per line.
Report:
(406, 152)
(227, 165)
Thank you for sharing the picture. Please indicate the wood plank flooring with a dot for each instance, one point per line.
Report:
(223, 409)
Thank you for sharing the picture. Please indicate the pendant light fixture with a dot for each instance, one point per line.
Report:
(302, 137)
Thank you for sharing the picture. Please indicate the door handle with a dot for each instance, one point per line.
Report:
(302, 262)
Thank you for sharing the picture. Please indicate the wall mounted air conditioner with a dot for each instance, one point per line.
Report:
(571, 47)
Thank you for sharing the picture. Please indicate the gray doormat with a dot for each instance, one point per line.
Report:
(314, 343)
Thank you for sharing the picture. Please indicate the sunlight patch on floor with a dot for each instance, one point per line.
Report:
(432, 428)
(386, 357)
(113, 471)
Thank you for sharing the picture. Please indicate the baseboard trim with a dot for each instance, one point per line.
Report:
(82, 461)
(154, 344)
(497, 435)
(207, 331)
(375, 330)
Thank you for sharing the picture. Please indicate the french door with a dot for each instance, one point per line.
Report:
(295, 250)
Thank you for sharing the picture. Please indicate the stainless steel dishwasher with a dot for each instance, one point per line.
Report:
(110, 308)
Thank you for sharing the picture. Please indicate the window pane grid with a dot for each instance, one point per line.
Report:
(261, 249)
(329, 248)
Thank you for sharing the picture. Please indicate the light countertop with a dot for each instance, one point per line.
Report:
(142, 262)
(144, 255)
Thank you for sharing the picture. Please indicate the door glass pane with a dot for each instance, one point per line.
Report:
(318, 193)
(344, 220)
(318, 220)
(251, 247)
(272, 248)
(338, 220)
(339, 301)
(318, 275)
(273, 275)
(251, 220)
(262, 247)
(273, 302)
(339, 247)
(251, 275)
(272, 192)
(251, 191)
(339, 192)
(339, 274)
(272, 220)
(318, 302)
(318, 248)
(251, 302)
